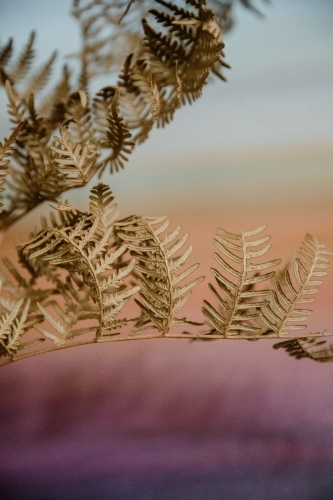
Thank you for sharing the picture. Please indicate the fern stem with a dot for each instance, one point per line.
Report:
(158, 336)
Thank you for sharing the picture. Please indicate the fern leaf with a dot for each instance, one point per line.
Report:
(281, 314)
(53, 322)
(5, 54)
(241, 304)
(12, 326)
(5, 153)
(39, 79)
(53, 104)
(66, 332)
(160, 299)
(74, 160)
(115, 133)
(23, 64)
(308, 347)
(87, 247)
(14, 105)
(101, 204)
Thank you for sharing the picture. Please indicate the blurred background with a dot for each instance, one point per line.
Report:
(176, 419)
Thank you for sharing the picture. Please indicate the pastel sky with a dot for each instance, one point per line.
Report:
(255, 150)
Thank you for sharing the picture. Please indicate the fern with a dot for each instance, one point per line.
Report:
(55, 104)
(75, 161)
(114, 133)
(77, 307)
(161, 296)
(12, 327)
(307, 347)
(181, 55)
(5, 55)
(14, 105)
(167, 70)
(86, 248)
(283, 314)
(241, 304)
(5, 153)
(80, 270)
(23, 64)
(26, 288)
(19, 73)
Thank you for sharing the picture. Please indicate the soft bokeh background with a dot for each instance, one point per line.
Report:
(195, 420)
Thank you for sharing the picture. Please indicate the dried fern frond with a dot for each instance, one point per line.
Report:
(23, 64)
(194, 41)
(87, 248)
(167, 69)
(241, 302)
(107, 27)
(308, 347)
(14, 105)
(16, 71)
(55, 105)
(283, 314)
(136, 108)
(75, 161)
(25, 287)
(19, 74)
(19, 302)
(77, 308)
(6, 52)
(5, 153)
(69, 298)
(157, 258)
(113, 133)
(77, 113)
(39, 78)
(12, 327)
(32, 177)
(104, 37)
(172, 66)
(101, 205)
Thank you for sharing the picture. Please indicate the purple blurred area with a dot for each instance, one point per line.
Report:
(167, 419)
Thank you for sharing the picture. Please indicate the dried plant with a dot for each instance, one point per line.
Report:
(156, 262)
(243, 304)
(89, 276)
